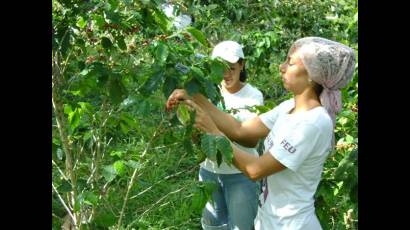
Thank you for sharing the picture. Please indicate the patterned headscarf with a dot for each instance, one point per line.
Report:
(330, 64)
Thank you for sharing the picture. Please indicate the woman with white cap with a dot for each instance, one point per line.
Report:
(299, 132)
(235, 201)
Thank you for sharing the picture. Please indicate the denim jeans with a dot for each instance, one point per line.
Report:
(234, 203)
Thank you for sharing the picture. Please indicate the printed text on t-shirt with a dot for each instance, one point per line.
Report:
(287, 146)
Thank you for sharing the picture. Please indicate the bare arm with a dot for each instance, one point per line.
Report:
(252, 166)
(246, 133)
(256, 167)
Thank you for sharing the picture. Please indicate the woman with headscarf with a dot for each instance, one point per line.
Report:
(299, 132)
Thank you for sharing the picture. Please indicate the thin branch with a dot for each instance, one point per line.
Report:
(160, 181)
(162, 198)
(131, 182)
(152, 206)
(63, 203)
(61, 172)
(57, 79)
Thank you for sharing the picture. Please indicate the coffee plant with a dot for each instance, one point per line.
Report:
(119, 159)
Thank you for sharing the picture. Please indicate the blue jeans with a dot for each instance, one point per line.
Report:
(234, 203)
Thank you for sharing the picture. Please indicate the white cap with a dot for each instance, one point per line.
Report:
(229, 51)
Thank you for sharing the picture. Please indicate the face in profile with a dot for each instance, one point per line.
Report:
(294, 75)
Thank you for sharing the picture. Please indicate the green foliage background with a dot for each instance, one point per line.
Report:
(119, 160)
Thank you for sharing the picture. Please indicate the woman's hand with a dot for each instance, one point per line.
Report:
(203, 121)
(176, 96)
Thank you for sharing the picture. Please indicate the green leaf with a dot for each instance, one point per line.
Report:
(183, 114)
(85, 106)
(217, 71)
(219, 158)
(208, 146)
(343, 120)
(90, 198)
(99, 20)
(198, 35)
(224, 146)
(349, 139)
(335, 191)
(192, 115)
(187, 143)
(84, 72)
(65, 43)
(124, 127)
(161, 19)
(200, 157)
(74, 119)
(81, 22)
(113, 17)
(106, 43)
(65, 186)
(121, 43)
(169, 85)
(209, 188)
(161, 53)
(133, 164)
(116, 90)
(128, 121)
(113, 4)
(344, 166)
(77, 204)
(198, 201)
(117, 153)
(119, 167)
(67, 109)
(54, 148)
(105, 219)
(87, 136)
(193, 86)
(109, 173)
(212, 6)
(211, 91)
(152, 83)
(353, 193)
(197, 72)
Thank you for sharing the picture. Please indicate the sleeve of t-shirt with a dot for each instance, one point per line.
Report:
(269, 118)
(259, 98)
(295, 147)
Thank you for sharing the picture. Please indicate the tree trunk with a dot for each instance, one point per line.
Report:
(61, 125)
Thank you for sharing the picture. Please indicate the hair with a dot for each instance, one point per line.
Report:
(318, 89)
(243, 76)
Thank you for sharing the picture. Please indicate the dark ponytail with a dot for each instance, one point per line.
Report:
(242, 76)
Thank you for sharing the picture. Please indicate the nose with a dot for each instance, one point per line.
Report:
(282, 67)
(226, 73)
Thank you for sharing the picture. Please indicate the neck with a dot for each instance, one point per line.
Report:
(306, 101)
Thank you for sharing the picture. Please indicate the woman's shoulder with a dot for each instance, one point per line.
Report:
(287, 105)
(318, 117)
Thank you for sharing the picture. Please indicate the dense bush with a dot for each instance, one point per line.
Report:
(120, 161)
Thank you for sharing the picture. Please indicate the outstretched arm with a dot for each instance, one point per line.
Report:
(252, 166)
(246, 133)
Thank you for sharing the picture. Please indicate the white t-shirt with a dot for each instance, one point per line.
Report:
(179, 21)
(246, 96)
(301, 142)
